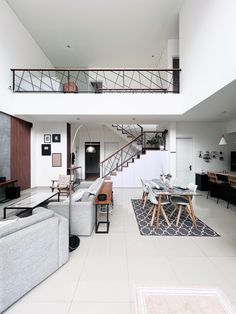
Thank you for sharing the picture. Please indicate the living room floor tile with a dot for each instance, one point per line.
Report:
(38, 308)
(100, 308)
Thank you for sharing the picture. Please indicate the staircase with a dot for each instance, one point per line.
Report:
(133, 150)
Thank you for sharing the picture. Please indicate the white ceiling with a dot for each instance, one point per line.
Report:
(104, 33)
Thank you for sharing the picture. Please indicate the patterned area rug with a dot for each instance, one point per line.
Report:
(185, 227)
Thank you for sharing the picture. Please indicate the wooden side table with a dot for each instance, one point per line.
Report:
(106, 189)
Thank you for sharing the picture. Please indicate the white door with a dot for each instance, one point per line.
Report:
(110, 148)
(184, 160)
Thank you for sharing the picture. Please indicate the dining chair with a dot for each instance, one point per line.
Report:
(230, 191)
(181, 203)
(214, 185)
(145, 192)
(156, 208)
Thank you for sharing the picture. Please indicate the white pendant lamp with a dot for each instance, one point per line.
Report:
(222, 140)
(90, 149)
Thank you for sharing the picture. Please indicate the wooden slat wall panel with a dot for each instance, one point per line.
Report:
(20, 152)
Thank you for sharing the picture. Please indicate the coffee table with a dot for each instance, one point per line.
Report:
(31, 202)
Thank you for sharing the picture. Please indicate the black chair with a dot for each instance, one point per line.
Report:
(223, 182)
(230, 191)
(214, 186)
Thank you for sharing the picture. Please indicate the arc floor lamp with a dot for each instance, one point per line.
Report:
(74, 240)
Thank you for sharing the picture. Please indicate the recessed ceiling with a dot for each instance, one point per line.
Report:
(104, 33)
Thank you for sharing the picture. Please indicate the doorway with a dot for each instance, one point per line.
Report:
(184, 160)
(92, 160)
(175, 64)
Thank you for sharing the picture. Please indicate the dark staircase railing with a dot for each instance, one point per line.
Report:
(96, 80)
(121, 158)
(130, 130)
(131, 151)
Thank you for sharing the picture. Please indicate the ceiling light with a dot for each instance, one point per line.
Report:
(222, 140)
(90, 149)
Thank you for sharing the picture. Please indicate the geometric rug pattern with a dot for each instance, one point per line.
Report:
(185, 227)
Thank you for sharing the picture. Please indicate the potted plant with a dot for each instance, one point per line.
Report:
(157, 141)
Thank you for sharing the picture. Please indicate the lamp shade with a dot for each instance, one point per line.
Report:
(222, 140)
(90, 149)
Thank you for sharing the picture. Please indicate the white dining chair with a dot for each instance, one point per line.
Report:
(154, 207)
(181, 203)
(145, 192)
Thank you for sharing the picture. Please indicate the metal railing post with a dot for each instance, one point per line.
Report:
(13, 80)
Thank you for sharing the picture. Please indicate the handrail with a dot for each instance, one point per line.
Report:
(127, 131)
(95, 80)
(94, 69)
(121, 149)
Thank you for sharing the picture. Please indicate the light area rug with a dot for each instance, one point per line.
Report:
(172, 300)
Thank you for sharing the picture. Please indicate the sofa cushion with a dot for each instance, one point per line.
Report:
(78, 196)
(6, 222)
(93, 189)
(39, 214)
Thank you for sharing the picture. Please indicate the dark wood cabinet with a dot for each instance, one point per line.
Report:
(201, 179)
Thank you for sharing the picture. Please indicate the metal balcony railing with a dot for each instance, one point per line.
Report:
(96, 80)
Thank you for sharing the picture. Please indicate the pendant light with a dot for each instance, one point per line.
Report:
(222, 140)
(90, 149)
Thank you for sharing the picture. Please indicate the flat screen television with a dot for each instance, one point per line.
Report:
(233, 161)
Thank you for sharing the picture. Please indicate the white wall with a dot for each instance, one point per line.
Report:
(148, 167)
(207, 48)
(97, 104)
(206, 136)
(231, 126)
(42, 171)
(97, 133)
(172, 52)
(17, 49)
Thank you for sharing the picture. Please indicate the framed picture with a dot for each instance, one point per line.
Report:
(56, 138)
(56, 159)
(47, 138)
(46, 149)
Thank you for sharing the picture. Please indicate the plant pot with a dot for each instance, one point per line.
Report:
(70, 87)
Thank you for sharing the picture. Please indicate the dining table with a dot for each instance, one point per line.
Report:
(165, 189)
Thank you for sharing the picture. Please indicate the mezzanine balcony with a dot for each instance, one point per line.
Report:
(96, 80)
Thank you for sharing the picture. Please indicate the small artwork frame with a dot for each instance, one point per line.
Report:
(47, 138)
(56, 138)
(56, 160)
(46, 149)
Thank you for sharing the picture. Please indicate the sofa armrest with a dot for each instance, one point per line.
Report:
(63, 239)
(59, 208)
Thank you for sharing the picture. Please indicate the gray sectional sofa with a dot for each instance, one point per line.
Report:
(31, 249)
(82, 218)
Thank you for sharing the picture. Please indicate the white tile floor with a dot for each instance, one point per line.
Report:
(103, 272)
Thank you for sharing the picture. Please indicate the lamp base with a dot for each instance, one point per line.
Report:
(74, 242)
